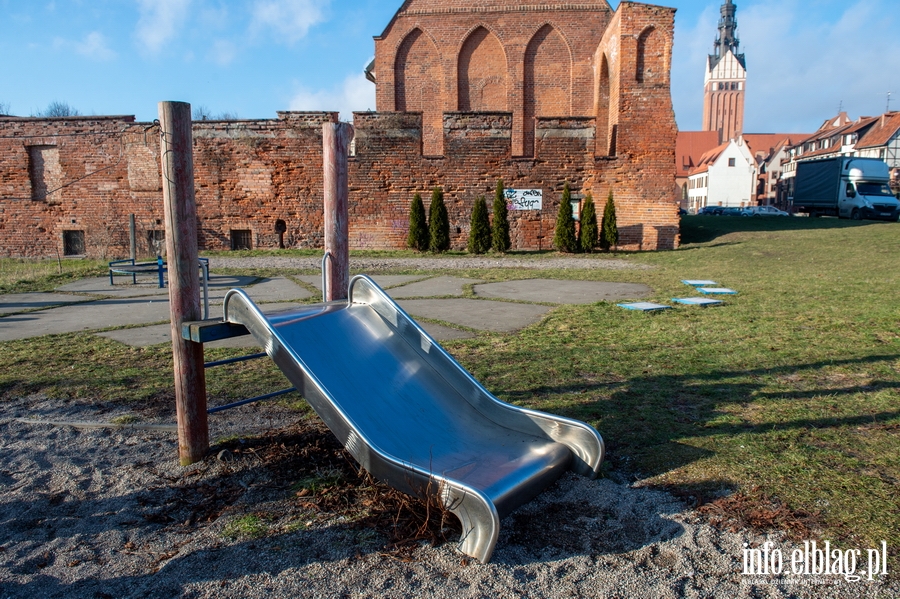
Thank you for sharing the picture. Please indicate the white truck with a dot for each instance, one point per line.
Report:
(856, 188)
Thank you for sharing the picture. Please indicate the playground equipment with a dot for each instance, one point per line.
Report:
(159, 268)
(411, 415)
(400, 404)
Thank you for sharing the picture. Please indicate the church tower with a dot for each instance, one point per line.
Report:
(725, 81)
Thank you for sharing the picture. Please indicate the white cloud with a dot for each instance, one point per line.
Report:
(94, 46)
(356, 93)
(223, 52)
(159, 22)
(289, 20)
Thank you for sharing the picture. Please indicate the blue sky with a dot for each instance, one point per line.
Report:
(254, 57)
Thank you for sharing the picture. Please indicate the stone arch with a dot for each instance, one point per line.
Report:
(548, 80)
(418, 86)
(650, 63)
(482, 73)
(602, 111)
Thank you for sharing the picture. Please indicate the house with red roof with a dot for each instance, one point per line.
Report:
(724, 176)
(866, 137)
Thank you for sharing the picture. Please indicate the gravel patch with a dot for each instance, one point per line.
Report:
(445, 263)
(108, 512)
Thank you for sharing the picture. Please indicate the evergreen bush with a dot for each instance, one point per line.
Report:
(609, 231)
(564, 237)
(479, 228)
(418, 227)
(438, 223)
(587, 237)
(500, 227)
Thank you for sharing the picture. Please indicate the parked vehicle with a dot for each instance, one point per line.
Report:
(855, 188)
(763, 211)
(710, 211)
(719, 211)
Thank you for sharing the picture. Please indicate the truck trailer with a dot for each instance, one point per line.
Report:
(855, 188)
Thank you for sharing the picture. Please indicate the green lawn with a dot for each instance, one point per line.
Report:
(788, 393)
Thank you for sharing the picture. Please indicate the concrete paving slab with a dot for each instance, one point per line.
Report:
(218, 286)
(84, 317)
(442, 333)
(562, 292)
(384, 281)
(17, 302)
(432, 287)
(276, 289)
(477, 314)
(160, 333)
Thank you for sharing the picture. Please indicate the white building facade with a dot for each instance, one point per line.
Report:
(726, 176)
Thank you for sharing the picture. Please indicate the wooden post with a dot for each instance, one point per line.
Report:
(336, 138)
(176, 148)
(131, 237)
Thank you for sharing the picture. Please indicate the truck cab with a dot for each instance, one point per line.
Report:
(867, 192)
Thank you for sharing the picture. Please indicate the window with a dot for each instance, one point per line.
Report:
(73, 243)
(731, 162)
(241, 239)
(576, 209)
(44, 170)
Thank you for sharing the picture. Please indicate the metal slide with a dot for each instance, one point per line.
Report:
(411, 415)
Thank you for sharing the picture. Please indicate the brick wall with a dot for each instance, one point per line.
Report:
(250, 176)
(496, 55)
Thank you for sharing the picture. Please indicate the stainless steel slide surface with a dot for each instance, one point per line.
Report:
(411, 415)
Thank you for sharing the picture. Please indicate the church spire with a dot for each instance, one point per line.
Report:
(727, 38)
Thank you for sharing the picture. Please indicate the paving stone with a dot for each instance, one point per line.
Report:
(84, 317)
(477, 314)
(218, 286)
(17, 302)
(384, 281)
(442, 333)
(562, 292)
(432, 287)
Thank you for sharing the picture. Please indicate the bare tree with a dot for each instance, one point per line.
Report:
(56, 109)
(4, 108)
(203, 113)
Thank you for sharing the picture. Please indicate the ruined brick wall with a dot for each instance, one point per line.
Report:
(75, 180)
(59, 177)
(251, 174)
(532, 60)
(641, 134)
(389, 169)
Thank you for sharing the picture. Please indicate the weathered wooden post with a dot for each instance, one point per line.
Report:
(176, 149)
(336, 138)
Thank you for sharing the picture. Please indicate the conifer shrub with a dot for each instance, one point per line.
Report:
(564, 237)
(438, 223)
(500, 227)
(418, 228)
(609, 231)
(479, 228)
(588, 236)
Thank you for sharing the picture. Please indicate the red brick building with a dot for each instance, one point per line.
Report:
(535, 94)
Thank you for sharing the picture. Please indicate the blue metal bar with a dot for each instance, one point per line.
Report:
(234, 360)
(251, 400)
(161, 266)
